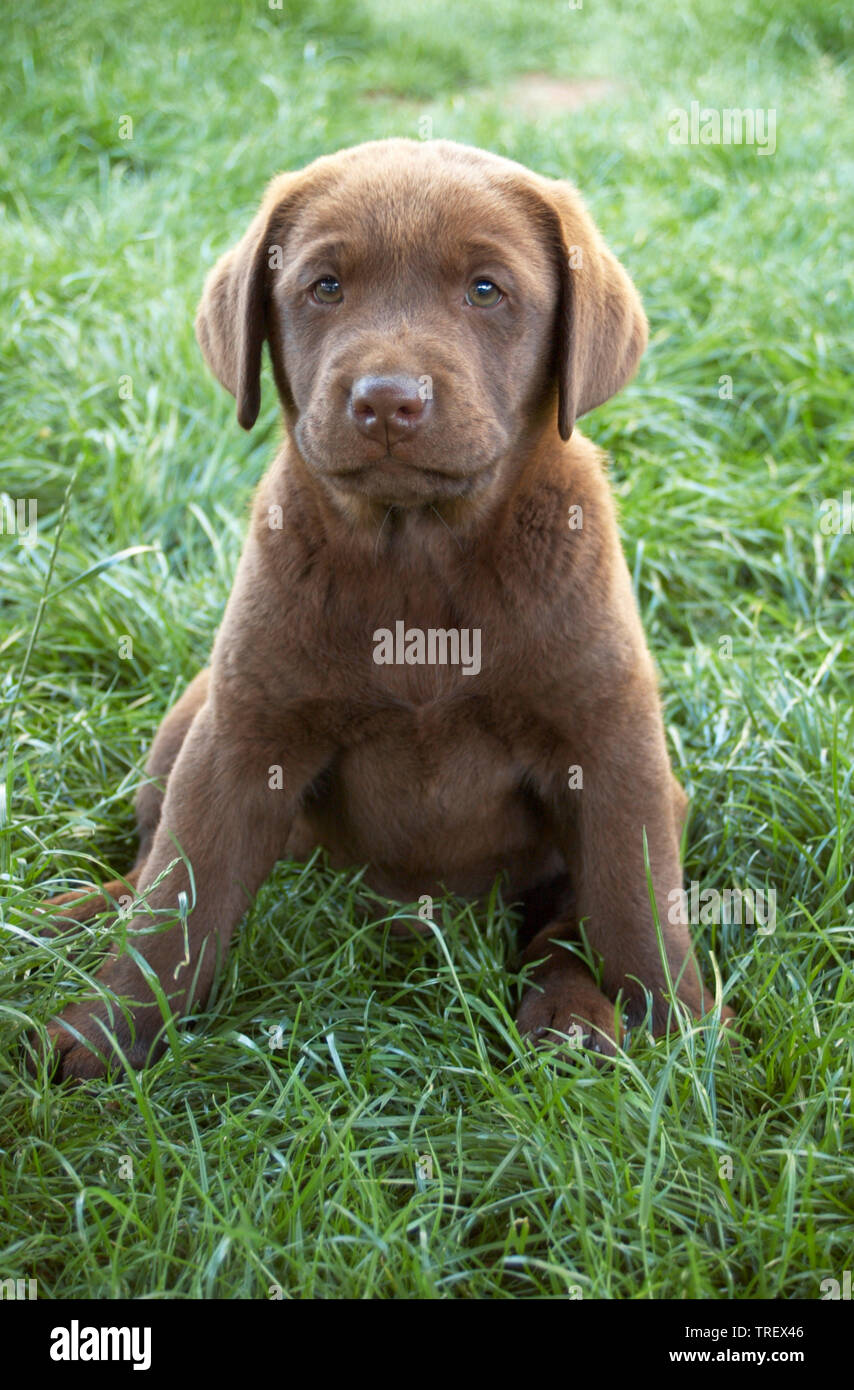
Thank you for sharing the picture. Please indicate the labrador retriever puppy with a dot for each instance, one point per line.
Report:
(431, 661)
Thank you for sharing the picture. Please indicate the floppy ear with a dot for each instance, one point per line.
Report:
(231, 321)
(602, 328)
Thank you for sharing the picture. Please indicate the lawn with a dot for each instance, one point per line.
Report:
(355, 1115)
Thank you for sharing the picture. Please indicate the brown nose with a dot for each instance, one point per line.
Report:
(388, 408)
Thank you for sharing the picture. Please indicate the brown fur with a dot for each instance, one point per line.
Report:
(434, 778)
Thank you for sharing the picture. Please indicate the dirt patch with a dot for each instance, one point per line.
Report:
(534, 94)
(537, 93)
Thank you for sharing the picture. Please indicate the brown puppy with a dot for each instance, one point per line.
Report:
(431, 660)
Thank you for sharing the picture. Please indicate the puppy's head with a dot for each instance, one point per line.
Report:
(429, 309)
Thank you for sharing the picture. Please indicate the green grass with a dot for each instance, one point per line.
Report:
(297, 1165)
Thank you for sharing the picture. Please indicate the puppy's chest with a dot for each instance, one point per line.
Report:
(433, 670)
(420, 697)
(419, 646)
(445, 757)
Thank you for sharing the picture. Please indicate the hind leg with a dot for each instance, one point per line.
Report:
(83, 904)
(681, 805)
(168, 742)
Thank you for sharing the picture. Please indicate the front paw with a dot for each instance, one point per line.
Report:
(560, 1013)
(101, 1034)
(87, 1041)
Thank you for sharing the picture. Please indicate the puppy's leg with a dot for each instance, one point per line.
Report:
(84, 904)
(628, 790)
(168, 742)
(221, 815)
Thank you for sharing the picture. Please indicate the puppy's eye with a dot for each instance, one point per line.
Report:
(328, 290)
(483, 294)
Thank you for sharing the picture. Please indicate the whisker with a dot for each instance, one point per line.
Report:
(380, 531)
(446, 526)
